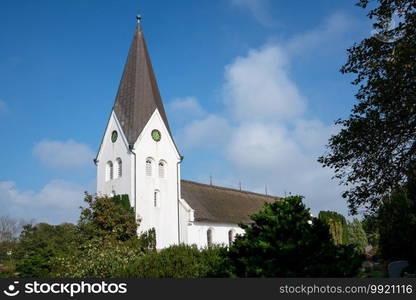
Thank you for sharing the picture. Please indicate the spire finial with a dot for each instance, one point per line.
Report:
(138, 18)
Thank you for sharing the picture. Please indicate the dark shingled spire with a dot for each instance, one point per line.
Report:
(138, 94)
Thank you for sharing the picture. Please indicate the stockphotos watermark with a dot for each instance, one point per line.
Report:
(70, 289)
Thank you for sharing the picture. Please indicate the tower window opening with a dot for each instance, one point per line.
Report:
(230, 236)
(119, 167)
(109, 171)
(149, 167)
(162, 167)
(209, 237)
(156, 198)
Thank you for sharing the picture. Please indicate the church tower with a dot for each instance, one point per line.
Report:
(137, 155)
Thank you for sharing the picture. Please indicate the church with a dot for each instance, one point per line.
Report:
(138, 157)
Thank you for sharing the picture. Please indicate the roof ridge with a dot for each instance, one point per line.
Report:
(230, 189)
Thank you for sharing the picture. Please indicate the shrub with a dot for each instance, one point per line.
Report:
(179, 261)
(285, 241)
(40, 244)
(98, 259)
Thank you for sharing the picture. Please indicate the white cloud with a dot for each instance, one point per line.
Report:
(325, 36)
(63, 155)
(257, 86)
(270, 138)
(207, 133)
(260, 147)
(258, 8)
(185, 108)
(57, 202)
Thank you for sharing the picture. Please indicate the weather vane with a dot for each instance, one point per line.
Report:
(138, 18)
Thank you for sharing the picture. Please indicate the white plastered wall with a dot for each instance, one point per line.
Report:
(197, 233)
(110, 151)
(165, 217)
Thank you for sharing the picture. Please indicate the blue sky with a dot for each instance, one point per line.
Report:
(251, 88)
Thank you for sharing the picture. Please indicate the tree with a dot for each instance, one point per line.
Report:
(108, 217)
(110, 244)
(396, 222)
(375, 151)
(357, 236)
(370, 226)
(338, 226)
(10, 228)
(285, 241)
(39, 246)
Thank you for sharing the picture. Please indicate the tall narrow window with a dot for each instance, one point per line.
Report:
(230, 236)
(119, 167)
(156, 198)
(209, 237)
(162, 167)
(109, 171)
(148, 167)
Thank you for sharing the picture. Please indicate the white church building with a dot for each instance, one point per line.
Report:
(139, 157)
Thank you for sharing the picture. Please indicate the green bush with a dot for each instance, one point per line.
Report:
(40, 244)
(98, 259)
(179, 261)
(285, 241)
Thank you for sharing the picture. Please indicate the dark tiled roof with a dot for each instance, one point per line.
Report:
(138, 94)
(222, 205)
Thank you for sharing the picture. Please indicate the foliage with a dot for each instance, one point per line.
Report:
(98, 258)
(338, 226)
(110, 242)
(147, 240)
(104, 217)
(10, 228)
(397, 226)
(375, 151)
(179, 261)
(40, 244)
(103, 243)
(8, 270)
(285, 241)
(122, 200)
(357, 235)
(370, 227)
(7, 250)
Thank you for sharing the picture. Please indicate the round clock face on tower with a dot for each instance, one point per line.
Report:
(114, 136)
(156, 135)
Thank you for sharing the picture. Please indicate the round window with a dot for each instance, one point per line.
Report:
(156, 135)
(114, 136)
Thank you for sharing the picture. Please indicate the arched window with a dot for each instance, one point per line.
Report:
(230, 236)
(149, 167)
(162, 169)
(209, 237)
(119, 165)
(109, 171)
(156, 198)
